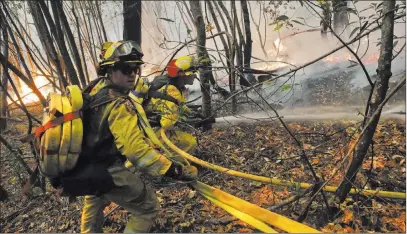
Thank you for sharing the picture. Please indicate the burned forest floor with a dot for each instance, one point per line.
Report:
(263, 149)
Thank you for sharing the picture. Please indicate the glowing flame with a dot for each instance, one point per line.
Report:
(371, 58)
(279, 45)
(272, 66)
(278, 49)
(348, 56)
(26, 93)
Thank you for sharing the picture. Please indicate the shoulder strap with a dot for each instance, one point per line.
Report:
(105, 95)
(159, 82)
(92, 84)
(156, 84)
(164, 96)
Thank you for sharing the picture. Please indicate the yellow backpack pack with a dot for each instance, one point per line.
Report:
(60, 136)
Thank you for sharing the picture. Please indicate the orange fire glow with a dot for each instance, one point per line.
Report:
(272, 66)
(26, 93)
(347, 56)
(279, 45)
(371, 58)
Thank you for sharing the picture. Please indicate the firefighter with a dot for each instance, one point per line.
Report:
(112, 135)
(166, 101)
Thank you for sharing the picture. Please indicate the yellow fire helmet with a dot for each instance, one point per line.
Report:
(122, 51)
(105, 46)
(184, 63)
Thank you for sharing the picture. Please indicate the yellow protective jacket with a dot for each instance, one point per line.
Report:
(112, 132)
(169, 111)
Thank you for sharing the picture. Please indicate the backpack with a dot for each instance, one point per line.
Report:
(60, 136)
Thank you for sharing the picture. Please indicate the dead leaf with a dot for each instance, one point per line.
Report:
(337, 227)
(191, 194)
(307, 146)
(264, 196)
(399, 223)
(349, 229)
(347, 216)
(228, 227)
(328, 228)
(208, 28)
(315, 161)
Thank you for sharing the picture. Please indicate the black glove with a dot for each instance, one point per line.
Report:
(186, 173)
(198, 115)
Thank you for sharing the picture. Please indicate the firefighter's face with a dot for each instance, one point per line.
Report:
(125, 76)
(186, 79)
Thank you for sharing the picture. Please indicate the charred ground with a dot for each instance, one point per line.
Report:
(263, 149)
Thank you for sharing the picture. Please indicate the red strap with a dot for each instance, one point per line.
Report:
(57, 121)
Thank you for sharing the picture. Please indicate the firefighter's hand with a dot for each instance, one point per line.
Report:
(186, 173)
(198, 115)
(189, 173)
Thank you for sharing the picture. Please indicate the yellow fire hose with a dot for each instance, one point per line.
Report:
(149, 130)
(252, 210)
(386, 194)
(259, 225)
(238, 214)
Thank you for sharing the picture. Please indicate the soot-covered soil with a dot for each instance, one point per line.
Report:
(261, 149)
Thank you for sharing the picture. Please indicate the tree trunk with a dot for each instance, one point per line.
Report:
(101, 21)
(46, 40)
(340, 16)
(92, 11)
(379, 94)
(239, 45)
(89, 44)
(248, 42)
(239, 29)
(81, 43)
(232, 49)
(28, 49)
(58, 24)
(132, 20)
(326, 21)
(3, 73)
(56, 31)
(21, 59)
(225, 94)
(218, 28)
(257, 25)
(203, 59)
(71, 40)
(225, 13)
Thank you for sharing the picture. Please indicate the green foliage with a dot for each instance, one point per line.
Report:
(280, 22)
(13, 180)
(279, 25)
(285, 87)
